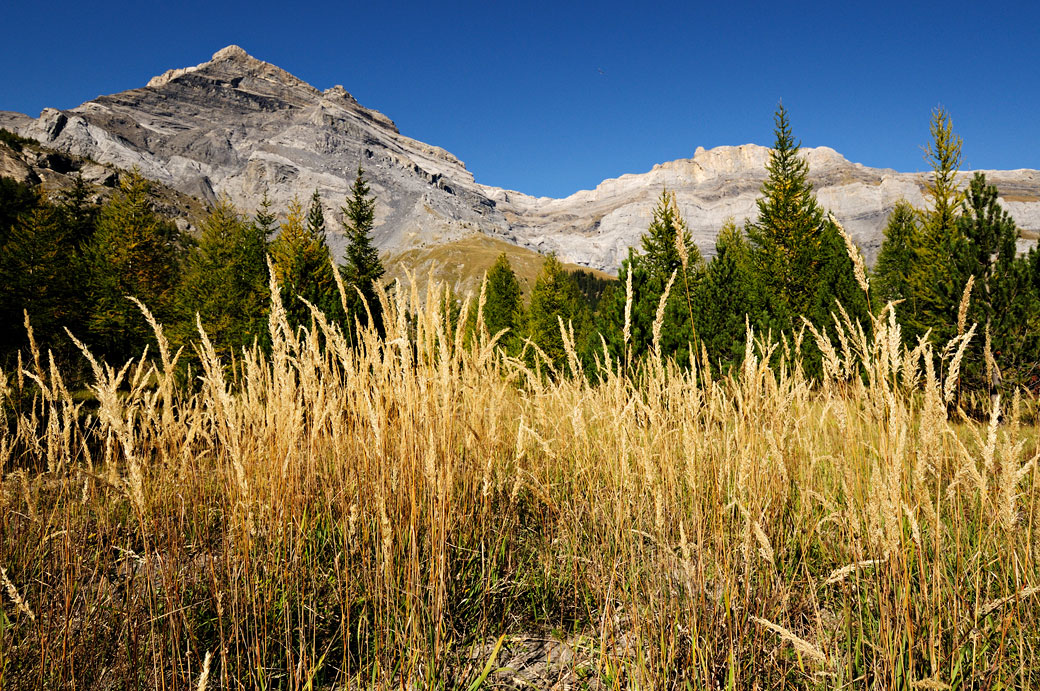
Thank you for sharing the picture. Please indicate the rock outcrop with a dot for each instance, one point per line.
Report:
(237, 126)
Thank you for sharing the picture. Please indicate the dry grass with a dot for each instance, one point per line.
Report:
(322, 517)
(462, 263)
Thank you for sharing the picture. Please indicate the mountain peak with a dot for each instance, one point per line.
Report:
(232, 52)
(235, 60)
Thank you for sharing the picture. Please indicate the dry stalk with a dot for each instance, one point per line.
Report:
(800, 644)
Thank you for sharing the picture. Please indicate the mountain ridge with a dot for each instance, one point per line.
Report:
(238, 126)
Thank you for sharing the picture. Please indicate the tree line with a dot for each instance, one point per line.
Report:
(943, 267)
(71, 264)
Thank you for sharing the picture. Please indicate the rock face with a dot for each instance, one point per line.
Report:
(722, 184)
(55, 173)
(238, 126)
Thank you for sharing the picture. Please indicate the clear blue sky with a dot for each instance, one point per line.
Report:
(552, 97)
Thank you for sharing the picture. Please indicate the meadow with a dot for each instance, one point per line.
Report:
(420, 510)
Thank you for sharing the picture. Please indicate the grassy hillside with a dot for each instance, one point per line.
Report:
(461, 264)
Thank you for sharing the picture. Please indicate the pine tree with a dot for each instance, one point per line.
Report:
(134, 252)
(555, 297)
(503, 305)
(667, 249)
(316, 216)
(787, 239)
(303, 268)
(38, 274)
(363, 268)
(895, 261)
(1028, 371)
(1002, 302)
(225, 281)
(727, 299)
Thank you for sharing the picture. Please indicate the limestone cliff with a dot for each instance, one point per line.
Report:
(238, 126)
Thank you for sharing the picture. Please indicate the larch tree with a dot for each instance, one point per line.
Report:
(39, 274)
(134, 253)
(798, 252)
(225, 280)
(556, 298)
(935, 286)
(303, 268)
(787, 238)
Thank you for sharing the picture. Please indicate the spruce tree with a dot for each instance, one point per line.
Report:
(134, 252)
(303, 268)
(727, 299)
(667, 249)
(503, 305)
(555, 297)
(891, 280)
(363, 268)
(225, 281)
(787, 239)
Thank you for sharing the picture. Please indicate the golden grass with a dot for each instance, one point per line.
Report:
(461, 264)
(325, 517)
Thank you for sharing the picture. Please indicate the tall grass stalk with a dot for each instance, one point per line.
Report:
(366, 511)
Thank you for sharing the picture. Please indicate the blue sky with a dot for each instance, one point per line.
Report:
(552, 97)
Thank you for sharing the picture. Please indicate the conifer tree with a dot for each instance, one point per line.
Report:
(801, 255)
(1028, 371)
(667, 249)
(225, 280)
(936, 289)
(134, 252)
(555, 297)
(895, 261)
(303, 268)
(38, 274)
(837, 284)
(787, 239)
(16, 198)
(503, 306)
(80, 214)
(363, 268)
(264, 219)
(727, 299)
(316, 216)
(1002, 302)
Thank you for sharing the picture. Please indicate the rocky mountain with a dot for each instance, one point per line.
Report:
(54, 172)
(238, 126)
